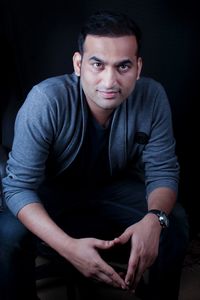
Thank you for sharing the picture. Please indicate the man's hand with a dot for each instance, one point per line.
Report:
(82, 253)
(85, 257)
(144, 237)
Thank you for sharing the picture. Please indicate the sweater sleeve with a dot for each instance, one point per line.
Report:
(159, 157)
(34, 131)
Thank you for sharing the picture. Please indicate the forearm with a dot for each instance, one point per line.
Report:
(37, 220)
(163, 199)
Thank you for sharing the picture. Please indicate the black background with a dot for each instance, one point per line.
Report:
(38, 39)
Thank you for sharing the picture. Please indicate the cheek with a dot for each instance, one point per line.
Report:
(88, 84)
(129, 83)
(128, 87)
(91, 82)
(88, 76)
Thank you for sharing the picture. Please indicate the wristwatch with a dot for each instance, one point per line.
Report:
(162, 217)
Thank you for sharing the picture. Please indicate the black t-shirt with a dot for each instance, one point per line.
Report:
(91, 165)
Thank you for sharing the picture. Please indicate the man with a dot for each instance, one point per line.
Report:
(93, 170)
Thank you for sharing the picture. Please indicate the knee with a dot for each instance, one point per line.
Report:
(180, 224)
(12, 232)
(175, 239)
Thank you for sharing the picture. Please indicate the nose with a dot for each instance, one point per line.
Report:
(109, 78)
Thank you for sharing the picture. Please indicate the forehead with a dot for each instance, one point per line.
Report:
(125, 46)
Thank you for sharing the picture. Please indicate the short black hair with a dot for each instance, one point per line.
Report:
(109, 24)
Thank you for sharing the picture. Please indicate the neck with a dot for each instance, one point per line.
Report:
(102, 116)
(103, 119)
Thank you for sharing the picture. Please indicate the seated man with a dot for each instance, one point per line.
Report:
(93, 171)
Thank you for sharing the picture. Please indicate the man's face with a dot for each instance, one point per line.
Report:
(108, 70)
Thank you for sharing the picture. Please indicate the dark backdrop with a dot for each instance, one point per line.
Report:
(38, 39)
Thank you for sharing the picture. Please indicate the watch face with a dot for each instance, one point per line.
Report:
(162, 217)
(163, 220)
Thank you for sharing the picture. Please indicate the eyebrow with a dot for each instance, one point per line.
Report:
(125, 61)
(96, 59)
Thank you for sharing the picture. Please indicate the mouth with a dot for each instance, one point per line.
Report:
(108, 94)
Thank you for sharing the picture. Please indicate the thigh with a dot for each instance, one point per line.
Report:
(123, 201)
(102, 212)
(17, 259)
(10, 226)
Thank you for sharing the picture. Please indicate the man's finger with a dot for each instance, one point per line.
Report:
(100, 244)
(138, 274)
(111, 276)
(131, 272)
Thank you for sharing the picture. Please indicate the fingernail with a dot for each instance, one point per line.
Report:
(124, 287)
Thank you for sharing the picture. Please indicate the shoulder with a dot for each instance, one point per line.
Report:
(52, 83)
(150, 85)
(148, 99)
(50, 99)
(53, 92)
(149, 90)
(56, 87)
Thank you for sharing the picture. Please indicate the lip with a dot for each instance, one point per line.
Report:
(108, 94)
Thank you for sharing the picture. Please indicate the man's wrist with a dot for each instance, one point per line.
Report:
(162, 217)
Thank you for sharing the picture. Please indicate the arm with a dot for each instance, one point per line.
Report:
(161, 177)
(145, 236)
(162, 199)
(35, 130)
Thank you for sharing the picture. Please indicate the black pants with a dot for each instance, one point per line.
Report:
(103, 212)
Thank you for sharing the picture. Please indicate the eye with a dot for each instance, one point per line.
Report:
(98, 65)
(123, 67)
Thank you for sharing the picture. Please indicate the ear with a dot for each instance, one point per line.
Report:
(77, 63)
(139, 65)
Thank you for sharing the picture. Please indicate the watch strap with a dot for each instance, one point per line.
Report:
(162, 217)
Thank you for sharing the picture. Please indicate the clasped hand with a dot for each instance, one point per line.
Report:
(144, 249)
